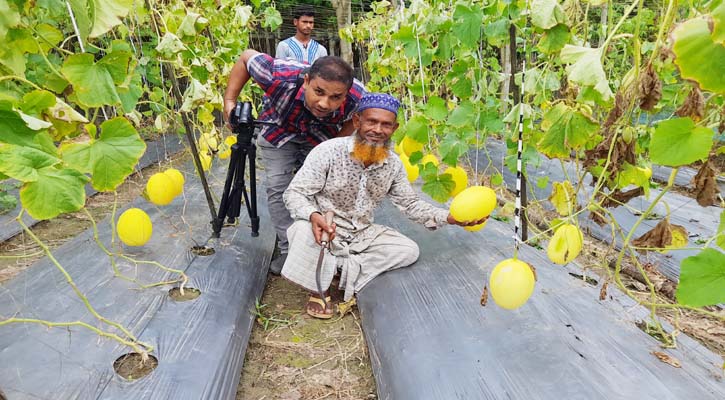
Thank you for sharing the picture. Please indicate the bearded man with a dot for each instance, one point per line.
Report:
(350, 176)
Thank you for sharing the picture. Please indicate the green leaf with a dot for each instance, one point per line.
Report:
(496, 179)
(48, 36)
(586, 68)
(439, 188)
(417, 129)
(452, 147)
(702, 279)
(272, 18)
(460, 85)
(92, 83)
(565, 129)
(77, 156)
(56, 191)
(81, 10)
(106, 14)
(170, 44)
(14, 130)
(467, 27)
(718, 19)
(9, 17)
(678, 142)
(720, 240)
(698, 56)
(542, 182)
(436, 109)
(116, 63)
(22, 163)
(37, 101)
(186, 28)
(115, 154)
(497, 32)
(13, 58)
(462, 115)
(554, 39)
(130, 94)
(546, 14)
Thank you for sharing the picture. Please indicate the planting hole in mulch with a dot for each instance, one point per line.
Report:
(189, 294)
(202, 250)
(586, 279)
(131, 366)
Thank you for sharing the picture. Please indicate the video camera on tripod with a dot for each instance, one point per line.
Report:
(242, 124)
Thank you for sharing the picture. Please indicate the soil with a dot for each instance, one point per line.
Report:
(189, 294)
(292, 356)
(132, 366)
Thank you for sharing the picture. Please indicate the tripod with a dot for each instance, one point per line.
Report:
(234, 187)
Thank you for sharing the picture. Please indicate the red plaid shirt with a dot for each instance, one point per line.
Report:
(284, 106)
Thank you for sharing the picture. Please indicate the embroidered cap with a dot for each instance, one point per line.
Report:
(379, 100)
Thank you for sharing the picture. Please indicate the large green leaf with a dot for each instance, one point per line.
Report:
(702, 279)
(439, 188)
(698, 56)
(107, 14)
(9, 17)
(56, 191)
(92, 82)
(37, 101)
(565, 129)
(586, 68)
(83, 11)
(718, 20)
(170, 44)
(272, 18)
(554, 39)
(14, 130)
(115, 154)
(48, 36)
(22, 163)
(116, 63)
(678, 142)
(468, 24)
(546, 14)
(497, 32)
(130, 93)
(453, 146)
(462, 115)
(417, 129)
(436, 108)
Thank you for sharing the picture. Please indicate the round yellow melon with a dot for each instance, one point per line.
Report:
(134, 227)
(565, 245)
(178, 178)
(429, 158)
(511, 283)
(473, 203)
(410, 169)
(410, 146)
(160, 189)
(460, 177)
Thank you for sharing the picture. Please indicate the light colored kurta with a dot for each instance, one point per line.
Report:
(331, 180)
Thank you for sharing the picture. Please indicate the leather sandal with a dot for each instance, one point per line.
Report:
(326, 313)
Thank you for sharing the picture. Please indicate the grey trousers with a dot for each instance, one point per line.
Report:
(279, 167)
(372, 252)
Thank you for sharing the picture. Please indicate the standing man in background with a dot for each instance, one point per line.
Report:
(301, 46)
(302, 106)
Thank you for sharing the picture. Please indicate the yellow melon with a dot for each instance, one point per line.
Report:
(160, 189)
(460, 177)
(473, 203)
(565, 245)
(178, 178)
(134, 227)
(511, 283)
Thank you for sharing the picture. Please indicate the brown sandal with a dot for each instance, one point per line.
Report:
(327, 312)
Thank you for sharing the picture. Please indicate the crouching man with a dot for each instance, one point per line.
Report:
(350, 176)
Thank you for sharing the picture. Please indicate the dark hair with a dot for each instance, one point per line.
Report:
(305, 10)
(331, 68)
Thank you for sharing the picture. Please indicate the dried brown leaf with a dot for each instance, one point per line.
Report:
(533, 270)
(650, 89)
(694, 106)
(484, 296)
(598, 218)
(661, 236)
(667, 359)
(617, 198)
(706, 187)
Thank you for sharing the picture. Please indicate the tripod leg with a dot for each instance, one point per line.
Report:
(253, 216)
(225, 201)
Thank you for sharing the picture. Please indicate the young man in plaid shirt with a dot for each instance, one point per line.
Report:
(303, 112)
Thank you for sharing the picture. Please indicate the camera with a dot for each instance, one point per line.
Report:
(242, 122)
